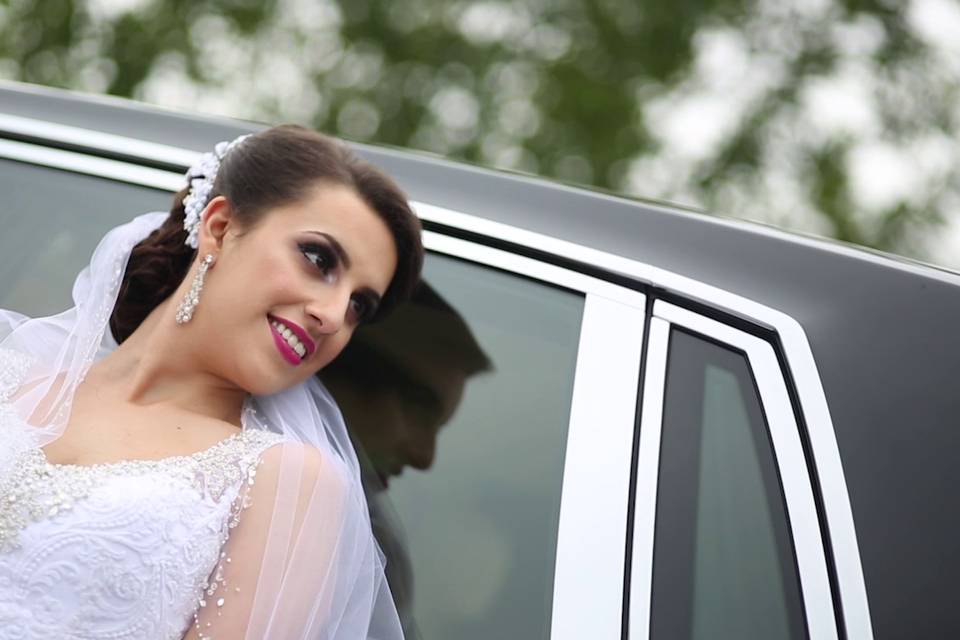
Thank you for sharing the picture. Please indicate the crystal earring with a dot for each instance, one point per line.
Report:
(189, 302)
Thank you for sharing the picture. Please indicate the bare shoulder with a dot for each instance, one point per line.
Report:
(306, 464)
(289, 452)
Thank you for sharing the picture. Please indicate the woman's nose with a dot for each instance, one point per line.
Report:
(330, 311)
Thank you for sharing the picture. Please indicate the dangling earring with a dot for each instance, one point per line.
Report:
(189, 302)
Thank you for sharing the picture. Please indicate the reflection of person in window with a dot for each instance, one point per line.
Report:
(397, 383)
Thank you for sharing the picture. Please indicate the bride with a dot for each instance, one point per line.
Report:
(169, 465)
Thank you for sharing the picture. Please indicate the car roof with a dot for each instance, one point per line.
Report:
(882, 330)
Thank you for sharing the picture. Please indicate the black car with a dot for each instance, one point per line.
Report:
(627, 420)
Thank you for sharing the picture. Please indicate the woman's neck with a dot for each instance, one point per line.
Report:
(160, 363)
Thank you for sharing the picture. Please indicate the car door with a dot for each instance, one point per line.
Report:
(511, 517)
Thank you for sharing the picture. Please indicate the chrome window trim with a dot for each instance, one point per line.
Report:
(648, 468)
(96, 140)
(808, 545)
(797, 351)
(89, 165)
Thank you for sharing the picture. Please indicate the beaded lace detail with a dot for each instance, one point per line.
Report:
(120, 550)
(38, 489)
(13, 369)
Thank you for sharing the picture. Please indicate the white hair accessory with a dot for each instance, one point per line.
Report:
(201, 177)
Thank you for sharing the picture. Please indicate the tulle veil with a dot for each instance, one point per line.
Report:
(304, 561)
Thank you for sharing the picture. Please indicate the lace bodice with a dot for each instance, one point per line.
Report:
(121, 550)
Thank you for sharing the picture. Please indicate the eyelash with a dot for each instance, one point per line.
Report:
(327, 262)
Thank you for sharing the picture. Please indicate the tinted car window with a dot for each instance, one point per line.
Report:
(723, 561)
(470, 537)
(52, 221)
(469, 387)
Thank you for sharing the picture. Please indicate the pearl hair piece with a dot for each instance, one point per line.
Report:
(201, 177)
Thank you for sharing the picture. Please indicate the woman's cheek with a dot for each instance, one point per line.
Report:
(278, 281)
(276, 273)
(332, 347)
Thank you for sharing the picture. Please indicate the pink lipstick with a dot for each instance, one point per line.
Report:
(292, 353)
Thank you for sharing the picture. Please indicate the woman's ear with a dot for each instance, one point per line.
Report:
(215, 220)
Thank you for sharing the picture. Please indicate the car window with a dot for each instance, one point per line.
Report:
(723, 564)
(52, 221)
(468, 390)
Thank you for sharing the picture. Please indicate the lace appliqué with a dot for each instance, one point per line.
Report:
(37, 489)
(13, 369)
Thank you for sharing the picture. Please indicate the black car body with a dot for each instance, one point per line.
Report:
(688, 427)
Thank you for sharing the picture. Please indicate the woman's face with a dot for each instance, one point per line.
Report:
(284, 296)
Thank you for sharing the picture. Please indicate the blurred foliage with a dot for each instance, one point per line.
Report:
(829, 116)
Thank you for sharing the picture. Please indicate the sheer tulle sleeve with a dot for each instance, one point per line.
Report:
(298, 563)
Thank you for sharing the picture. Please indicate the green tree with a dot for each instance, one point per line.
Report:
(830, 116)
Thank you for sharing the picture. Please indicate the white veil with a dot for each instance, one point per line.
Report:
(302, 561)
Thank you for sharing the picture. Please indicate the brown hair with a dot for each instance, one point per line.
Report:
(269, 169)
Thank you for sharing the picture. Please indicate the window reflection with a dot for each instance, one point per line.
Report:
(398, 383)
(52, 220)
(468, 388)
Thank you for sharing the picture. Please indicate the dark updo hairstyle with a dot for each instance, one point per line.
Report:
(272, 168)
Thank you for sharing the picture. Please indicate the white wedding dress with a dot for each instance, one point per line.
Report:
(115, 551)
(140, 549)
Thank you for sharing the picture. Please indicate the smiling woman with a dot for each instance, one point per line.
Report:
(278, 168)
(166, 441)
(319, 285)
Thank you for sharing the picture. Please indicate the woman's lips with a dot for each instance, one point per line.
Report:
(284, 347)
(301, 334)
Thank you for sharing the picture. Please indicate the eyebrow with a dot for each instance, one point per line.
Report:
(342, 253)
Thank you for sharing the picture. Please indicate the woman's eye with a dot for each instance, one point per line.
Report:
(322, 257)
(360, 309)
(363, 308)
